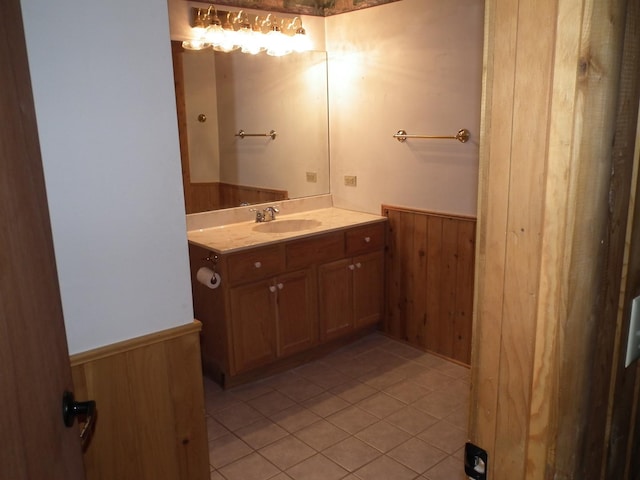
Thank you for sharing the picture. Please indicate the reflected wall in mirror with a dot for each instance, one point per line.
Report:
(218, 94)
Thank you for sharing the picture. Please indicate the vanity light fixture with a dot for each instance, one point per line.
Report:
(278, 44)
(277, 37)
(301, 42)
(250, 36)
(198, 30)
(214, 34)
(229, 39)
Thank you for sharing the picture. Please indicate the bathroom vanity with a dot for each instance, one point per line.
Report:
(289, 289)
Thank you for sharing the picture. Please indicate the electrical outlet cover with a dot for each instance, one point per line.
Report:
(633, 341)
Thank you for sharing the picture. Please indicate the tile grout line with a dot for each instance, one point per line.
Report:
(328, 389)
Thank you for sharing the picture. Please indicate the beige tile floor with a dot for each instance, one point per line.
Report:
(376, 409)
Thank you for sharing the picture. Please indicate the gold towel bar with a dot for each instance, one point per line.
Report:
(462, 136)
(243, 134)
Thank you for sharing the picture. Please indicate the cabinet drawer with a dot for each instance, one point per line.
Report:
(255, 264)
(321, 249)
(365, 239)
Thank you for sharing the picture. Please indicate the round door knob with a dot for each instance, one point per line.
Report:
(257, 264)
(280, 286)
(272, 288)
(352, 267)
(367, 239)
(359, 265)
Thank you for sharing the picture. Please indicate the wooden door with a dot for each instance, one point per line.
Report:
(253, 317)
(368, 289)
(336, 306)
(34, 360)
(297, 322)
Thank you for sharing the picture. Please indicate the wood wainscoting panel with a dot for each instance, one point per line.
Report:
(234, 195)
(429, 286)
(150, 402)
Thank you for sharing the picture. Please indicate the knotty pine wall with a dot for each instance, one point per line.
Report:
(429, 284)
(150, 402)
(203, 197)
(557, 241)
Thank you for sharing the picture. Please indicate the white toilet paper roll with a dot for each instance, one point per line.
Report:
(208, 278)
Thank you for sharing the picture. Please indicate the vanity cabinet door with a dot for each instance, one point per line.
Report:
(350, 294)
(368, 289)
(335, 286)
(253, 318)
(297, 319)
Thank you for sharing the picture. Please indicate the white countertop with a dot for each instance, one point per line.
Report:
(242, 235)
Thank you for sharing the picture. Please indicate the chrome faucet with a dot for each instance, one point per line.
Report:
(267, 214)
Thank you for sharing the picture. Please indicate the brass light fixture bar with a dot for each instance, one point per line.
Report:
(228, 31)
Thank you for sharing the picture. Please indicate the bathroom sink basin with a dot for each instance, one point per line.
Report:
(286, 226)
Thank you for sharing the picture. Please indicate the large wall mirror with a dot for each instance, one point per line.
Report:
(219, 94)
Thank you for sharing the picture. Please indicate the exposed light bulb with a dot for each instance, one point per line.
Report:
(278, 44)
(301, 42)
(194, 44)
(229, 40)
(214, 34)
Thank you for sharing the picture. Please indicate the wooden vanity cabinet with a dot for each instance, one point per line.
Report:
(272, 319)
(253, 310)
(297, 312)
(351, 290)
(280, 301)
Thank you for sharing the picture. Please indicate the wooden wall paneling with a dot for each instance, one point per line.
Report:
(524, 230)
(430, 294)
(150, 403)
(462, 321)
(433, 285)
(234, 195)
(619, 460)
(392, 323)
(599, 209)
(560, 192)
(404, 232)
(187, 394)
(618, 452)
(113, 452)
(147, 369)
(542, 242)
(494, 166)
(410, 259)
(419, 250)
(202, 197)
(447, 286)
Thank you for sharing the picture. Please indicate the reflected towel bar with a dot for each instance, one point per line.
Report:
(462, 136)
(243, 134)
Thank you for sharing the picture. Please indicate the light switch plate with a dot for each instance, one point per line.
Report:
(633, 341)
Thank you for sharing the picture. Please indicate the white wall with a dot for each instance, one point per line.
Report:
(105, 106)
(414, 65)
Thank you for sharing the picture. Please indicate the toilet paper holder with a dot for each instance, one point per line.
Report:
(213, 259)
